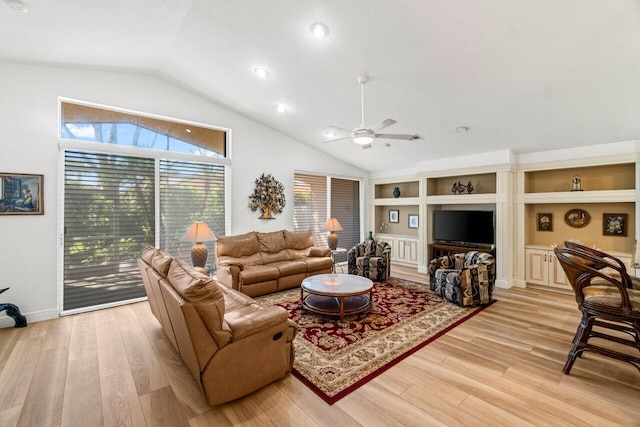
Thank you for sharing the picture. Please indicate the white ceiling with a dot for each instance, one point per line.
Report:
(522, 75)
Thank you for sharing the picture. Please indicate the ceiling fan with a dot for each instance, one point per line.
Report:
(365, 136)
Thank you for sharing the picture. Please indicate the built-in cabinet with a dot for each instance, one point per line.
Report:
(394, 202)
(404, 249)
(551, 192)
(543, 269)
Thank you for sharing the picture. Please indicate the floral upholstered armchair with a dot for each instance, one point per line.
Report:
(464, 279)
(370, 259)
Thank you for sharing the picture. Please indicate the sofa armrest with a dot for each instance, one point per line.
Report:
(229, 274)
(320, 252)
(232, 264)
(254, 319)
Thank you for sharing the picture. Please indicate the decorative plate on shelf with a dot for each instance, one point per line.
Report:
(577, 218)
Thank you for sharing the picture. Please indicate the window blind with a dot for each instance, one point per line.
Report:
(109, 217)
(190, 192)
(345, 207)
(310, 205)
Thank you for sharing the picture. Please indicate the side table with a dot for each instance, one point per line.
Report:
(335, 252)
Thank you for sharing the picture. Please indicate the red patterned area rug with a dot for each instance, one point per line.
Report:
(336, 356)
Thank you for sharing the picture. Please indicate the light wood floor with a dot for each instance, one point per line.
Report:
(502, 367)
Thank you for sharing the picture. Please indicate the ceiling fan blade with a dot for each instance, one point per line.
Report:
(337, 139)
(338, 128)
(406, 137)
(366, 146)
(383, 124)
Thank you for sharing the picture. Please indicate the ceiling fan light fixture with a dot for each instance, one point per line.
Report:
(363, 136)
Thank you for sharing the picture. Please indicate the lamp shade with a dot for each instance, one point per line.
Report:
(332, 224)
(198, 232)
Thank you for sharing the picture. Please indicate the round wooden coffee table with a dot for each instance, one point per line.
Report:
(336, 294)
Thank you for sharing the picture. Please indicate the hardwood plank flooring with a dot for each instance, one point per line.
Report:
(502, 367)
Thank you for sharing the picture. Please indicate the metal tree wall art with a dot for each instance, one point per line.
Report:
(267, 196)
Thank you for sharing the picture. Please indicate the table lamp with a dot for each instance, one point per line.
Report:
(199, 232)
(332, 225)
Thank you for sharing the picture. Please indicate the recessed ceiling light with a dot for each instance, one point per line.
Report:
(319, 30)
(282, 108)
(188, 130)
(17, 5)
(261, 72)
(462, 129)
(386, 145)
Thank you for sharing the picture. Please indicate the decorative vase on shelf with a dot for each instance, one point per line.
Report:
(396, 192)
(370, 236)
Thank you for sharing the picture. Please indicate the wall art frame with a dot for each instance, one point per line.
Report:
(394, 216)
(21, 194)
(614, 224)
(577, 218)
(414, 221)
(544, 221)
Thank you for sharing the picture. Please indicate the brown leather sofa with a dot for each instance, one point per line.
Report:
(261, 263)
(231, 345)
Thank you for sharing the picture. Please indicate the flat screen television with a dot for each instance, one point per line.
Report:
(463, 227)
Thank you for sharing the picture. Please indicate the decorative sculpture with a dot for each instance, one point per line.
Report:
(459, 188)
(267, 196)
(13, 311)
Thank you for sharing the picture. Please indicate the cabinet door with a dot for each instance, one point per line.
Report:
(537, 266)
(407, 250)
(557, 278)
(391, 241)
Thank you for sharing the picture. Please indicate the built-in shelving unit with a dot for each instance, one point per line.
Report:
(606, 188)
(517, 193)
(404, 240)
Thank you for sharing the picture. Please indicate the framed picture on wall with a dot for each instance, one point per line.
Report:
(394, 216)
(413, 221)
(21, 194)
(544, 222)
(614, 224)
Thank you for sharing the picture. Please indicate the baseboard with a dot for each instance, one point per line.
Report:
(35, 316)
(503, 284)
(422, 269)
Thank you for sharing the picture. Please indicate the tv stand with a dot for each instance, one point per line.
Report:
(442, 249)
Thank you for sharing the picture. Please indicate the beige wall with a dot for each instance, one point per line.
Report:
(402, 227)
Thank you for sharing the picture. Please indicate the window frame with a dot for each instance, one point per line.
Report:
(65, 145)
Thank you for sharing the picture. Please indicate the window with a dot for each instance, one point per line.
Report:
(190, 192)
(108, 219)
(345, 207)
(84, 123)
(312, 207)
(116, 203)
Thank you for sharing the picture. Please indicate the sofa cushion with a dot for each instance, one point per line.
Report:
(272, 247)
(205, 295)
(158, 259)
(243, 248)
(259, 273)
(299, 243)
(289, 268)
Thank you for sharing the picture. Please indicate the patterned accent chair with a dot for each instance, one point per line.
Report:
(370, 259)
(464, 279)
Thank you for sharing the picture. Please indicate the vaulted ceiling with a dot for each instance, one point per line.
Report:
(521, 75)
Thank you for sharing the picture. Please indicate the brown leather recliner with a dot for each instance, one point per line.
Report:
(261, 263)
(231, 345)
